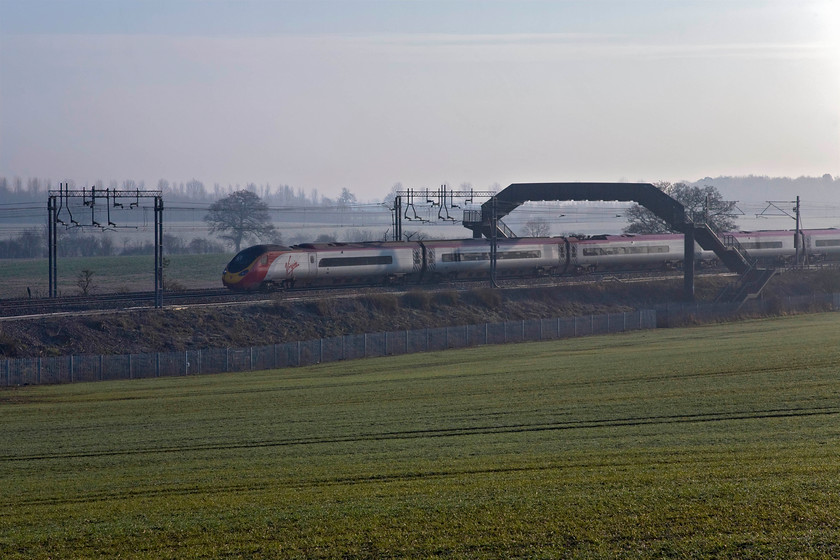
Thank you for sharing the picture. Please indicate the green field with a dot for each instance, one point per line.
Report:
(708, 442)
(111, 274)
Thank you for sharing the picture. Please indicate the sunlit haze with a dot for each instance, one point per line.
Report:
(364, 94)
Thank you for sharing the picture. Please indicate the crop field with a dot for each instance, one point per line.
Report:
(706, 442)
(111, 274)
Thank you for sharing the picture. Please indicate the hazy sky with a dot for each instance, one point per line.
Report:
(363, 94)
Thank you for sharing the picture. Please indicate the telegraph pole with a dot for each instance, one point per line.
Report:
(797, 236)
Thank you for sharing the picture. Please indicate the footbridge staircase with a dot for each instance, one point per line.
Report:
(488, 223)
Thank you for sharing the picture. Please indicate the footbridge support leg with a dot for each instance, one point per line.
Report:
(688, 265)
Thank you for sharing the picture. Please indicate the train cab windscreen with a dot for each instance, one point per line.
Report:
(245, 257)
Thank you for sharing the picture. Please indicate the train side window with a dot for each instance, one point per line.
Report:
(312, 259)
(264, 260)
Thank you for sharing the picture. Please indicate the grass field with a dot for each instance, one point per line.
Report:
(708, 442)
(111, 274)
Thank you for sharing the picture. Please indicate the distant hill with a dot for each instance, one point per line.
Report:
(761, 188)
(819, 200)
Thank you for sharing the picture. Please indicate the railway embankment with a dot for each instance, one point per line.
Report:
(280, 320)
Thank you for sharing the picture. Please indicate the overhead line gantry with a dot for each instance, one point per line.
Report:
(60, 201)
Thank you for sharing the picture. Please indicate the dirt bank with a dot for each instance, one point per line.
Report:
(280, 321)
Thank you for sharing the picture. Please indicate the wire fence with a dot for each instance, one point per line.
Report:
(73, 369)
(677, 314)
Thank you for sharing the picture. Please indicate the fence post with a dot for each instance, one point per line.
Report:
(71, 368)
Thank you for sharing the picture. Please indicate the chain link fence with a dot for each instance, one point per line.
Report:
(679, 314)
(72, 369)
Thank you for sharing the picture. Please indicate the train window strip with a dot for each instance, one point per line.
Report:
(355, 261)
(761, 244)
(827, 243)
(473, 257)
(629, 250)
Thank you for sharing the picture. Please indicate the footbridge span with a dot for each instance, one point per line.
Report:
(489, 224)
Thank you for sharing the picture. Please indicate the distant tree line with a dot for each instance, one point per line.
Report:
(18, 189)
(32, 244)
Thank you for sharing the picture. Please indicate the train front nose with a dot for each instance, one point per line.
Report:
(233, 279)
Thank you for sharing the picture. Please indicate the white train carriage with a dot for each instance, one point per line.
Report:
(470, 258)
(822, 245)
(630, 252)
(770, 247)
(347, 263)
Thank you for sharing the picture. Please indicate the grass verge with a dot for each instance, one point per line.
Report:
(707, 442)
(111, 274)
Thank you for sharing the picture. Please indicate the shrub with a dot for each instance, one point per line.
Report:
(487, 297)
(9, 347)
(321, 307)
(417, 299)
(446, 298)
(387, 303)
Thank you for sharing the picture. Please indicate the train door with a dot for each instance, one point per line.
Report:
(565, 255)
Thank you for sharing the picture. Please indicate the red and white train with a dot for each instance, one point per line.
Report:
(264, 267)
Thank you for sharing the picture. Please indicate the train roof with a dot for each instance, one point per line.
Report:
(356, 245)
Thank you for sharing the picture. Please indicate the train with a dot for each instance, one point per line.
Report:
(274, 267)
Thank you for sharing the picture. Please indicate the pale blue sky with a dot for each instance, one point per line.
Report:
(364, 94)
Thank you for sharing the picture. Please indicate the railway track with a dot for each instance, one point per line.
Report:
(21, 307)
(38, 306)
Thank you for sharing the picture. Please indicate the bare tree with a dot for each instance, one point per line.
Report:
(85, 281)
(701, 205)
(239, 217)
(537, 227)
(347, 198)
